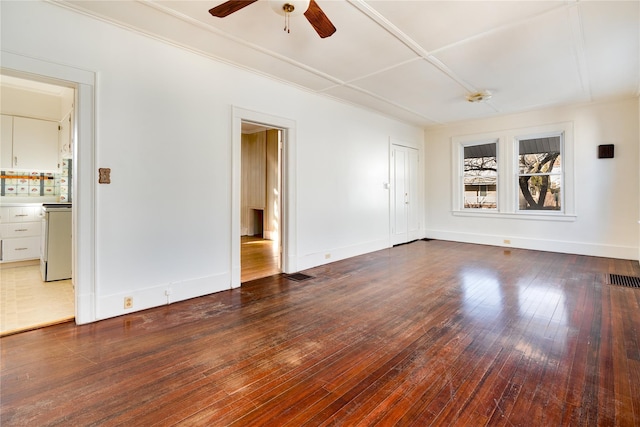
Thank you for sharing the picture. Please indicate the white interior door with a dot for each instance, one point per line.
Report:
(405, 215)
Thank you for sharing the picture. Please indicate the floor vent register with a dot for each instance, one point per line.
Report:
(626, 281)
(298, 277)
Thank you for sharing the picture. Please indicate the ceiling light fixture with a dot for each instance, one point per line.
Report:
(481, 96)
(288, 9)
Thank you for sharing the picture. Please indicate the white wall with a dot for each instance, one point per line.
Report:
(163, 126)
(606, 227)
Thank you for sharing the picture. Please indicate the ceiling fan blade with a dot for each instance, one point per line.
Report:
(319, 20)
(228, 7)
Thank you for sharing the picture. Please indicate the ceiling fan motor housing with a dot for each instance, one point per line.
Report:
(291, 7)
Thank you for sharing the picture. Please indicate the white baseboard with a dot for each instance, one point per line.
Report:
(163, 294)
(560, 246)
(336, 254)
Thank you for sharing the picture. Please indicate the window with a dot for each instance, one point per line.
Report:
(480, 176)
(540, 173)
(524, 173)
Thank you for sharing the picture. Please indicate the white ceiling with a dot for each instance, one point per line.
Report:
(417, 60)
(8, 81)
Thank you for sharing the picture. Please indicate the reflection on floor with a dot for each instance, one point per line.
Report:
(259, 258)
(26, 302)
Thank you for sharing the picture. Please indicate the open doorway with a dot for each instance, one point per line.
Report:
(288, 218)
(260, 201)
(36, 160)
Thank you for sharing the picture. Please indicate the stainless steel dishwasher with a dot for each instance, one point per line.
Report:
(56, 248)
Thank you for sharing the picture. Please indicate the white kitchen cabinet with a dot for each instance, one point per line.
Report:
(19, 229)
(65, 145)
(20, 232)
(13, 214)
(21, 249)
(6, 142)
(35, 144)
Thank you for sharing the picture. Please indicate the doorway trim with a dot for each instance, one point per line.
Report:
(289, 217)
(83, 191)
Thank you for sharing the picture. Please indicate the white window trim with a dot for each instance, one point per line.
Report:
(507, 195)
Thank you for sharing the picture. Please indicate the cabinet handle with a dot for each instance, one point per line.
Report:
(15, 161)
(21, 249)
(21, 229)
(22, 215)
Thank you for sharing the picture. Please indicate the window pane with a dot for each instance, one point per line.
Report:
(539, 163)
(539, 155)
(540, 173)
(540, 192)
(480, 176)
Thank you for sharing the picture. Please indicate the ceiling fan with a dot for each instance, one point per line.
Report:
(310, 8)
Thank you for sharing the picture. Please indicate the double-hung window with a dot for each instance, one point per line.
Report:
(480, 176)
(516, 173)
(540, 173)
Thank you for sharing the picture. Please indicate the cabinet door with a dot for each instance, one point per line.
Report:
(35, 144)
(65, 145)
(6, 142)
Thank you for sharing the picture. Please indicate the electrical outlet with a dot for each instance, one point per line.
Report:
(327, 256)
(128, 302)
(507, 242)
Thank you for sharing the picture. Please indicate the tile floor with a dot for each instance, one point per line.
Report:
(26, 302)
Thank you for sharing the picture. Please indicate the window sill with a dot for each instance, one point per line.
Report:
(542, 216)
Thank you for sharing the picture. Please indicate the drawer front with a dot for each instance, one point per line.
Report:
(21, 214)
(5, 214)
(20, 229)
(19, 249)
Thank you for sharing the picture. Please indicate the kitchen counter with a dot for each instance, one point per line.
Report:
(14, 205)
(26, 201)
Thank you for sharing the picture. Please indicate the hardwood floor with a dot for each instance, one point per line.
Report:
(258, 258)
(430, 333)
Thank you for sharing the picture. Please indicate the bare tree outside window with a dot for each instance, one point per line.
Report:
(540, 174)
(480, 176)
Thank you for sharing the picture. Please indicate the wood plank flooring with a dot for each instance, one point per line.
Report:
(430, 333)
(258, 258)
